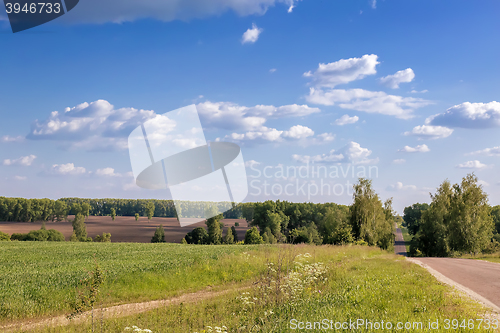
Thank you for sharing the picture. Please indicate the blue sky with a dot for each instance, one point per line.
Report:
(408, 87)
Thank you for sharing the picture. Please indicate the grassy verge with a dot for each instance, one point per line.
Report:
(332, 283)
(40, 278)
(407, 238)
(494, 257)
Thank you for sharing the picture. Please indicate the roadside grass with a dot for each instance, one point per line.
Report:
(354, 283)
(407, 238)
(39, 279)
(493, 257)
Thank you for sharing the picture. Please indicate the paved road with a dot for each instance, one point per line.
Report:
(399, 244)
(481, 277)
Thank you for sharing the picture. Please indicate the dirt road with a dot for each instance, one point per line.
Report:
(399, 244)
(480, 279)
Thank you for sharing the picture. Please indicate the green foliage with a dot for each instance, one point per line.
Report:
(335, 227)
(137, 216)
(60, 210)
(89, 290)
(370, 221)
(73, 237)
(4, 237)
(150, 209)
(113, 214)
(42, 235)
(268, 237)
(229, 238)
(495, 214)
(214, 226)
(458, 221)
(159, 235)
(104, 238)
(198, 235)
(235, 235)
(309, 235)
(79, 228)
(236, 224)
(252, 236)
(183, 241)
(412, 217)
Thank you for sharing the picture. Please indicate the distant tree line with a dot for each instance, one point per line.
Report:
(32, 210)
(458, 220)
(366, 221)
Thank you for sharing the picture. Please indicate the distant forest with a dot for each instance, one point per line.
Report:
(458, 220)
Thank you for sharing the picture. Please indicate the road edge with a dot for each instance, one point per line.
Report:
(472, 294)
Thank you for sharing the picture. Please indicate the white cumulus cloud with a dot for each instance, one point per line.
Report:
(417, 149)
(66, 169)
(351, 153)
(107, 172)
(8, 138)
(251, 35)
(393, 81)
(400, 187)
(368, 101)
(91, 126)
(343, 71)
(166, 10)
(23, 161)
(399, 160)
(495, 151)
(346, 120)
(469, 115)
(430, 132)
(472, 165)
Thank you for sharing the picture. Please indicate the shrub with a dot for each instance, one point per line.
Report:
(4, 237)
(197, 236)
(159, 235)
(137, 216)
(18, 236)
(229, 239)
(55, 236)
(252, 236)
(37, 235)
(237, 224)
(104, 238)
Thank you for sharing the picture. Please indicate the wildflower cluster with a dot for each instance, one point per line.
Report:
(215, 329)
(137, 329)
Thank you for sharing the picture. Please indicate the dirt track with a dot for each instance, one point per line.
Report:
(118, 310)
(123, 228)
(482, 278)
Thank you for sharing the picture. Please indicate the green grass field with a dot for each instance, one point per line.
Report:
(361, 283)
(302, 282)
(40, 278)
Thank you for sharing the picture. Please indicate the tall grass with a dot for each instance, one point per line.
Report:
(40, 278)
(309, 284)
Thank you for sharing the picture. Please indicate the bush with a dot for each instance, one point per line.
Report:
(4, 237)
(37, 235)
(159, 235)
(252, 236)
(18, 236)
(137, 216)
(41, 235)
(55, 236)
(237, 224)
(104, 238)
(197, 236)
